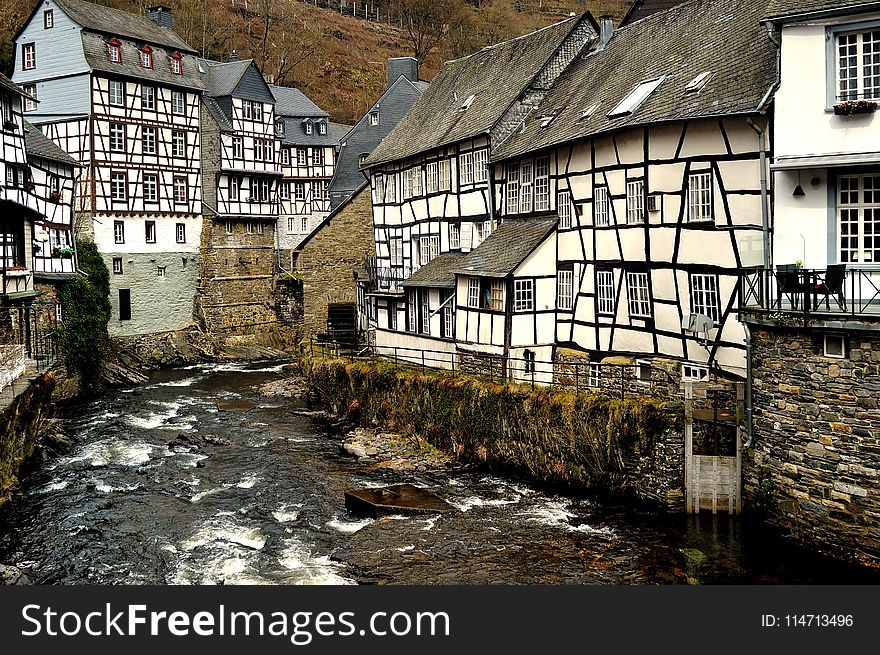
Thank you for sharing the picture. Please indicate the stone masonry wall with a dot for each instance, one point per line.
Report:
(327, 262)
(813, 465)
(236, 294)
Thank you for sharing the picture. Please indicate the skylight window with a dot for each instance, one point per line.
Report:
(698, 82)
(549, 118)
(468, 102)
(635, 98)
(589, 111)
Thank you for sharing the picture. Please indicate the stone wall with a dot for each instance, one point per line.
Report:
(236, 295)
(327, 262)
(813, 464)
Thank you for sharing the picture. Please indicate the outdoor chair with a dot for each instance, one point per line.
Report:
(790, 283)
(831, 285)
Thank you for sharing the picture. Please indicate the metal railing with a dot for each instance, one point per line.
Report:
(389, 279)
(835, 291)
(615, 380)
(28, 341)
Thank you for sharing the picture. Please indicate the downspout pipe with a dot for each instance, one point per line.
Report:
(749, 413)
(765, 208)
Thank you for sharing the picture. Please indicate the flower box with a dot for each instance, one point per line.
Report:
(850, 107)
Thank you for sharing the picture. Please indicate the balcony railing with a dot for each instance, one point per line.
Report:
(832, 292)
(53, 264)
(16, 279)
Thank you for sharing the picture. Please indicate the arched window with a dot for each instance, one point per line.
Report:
(115, 51)
(147, 57)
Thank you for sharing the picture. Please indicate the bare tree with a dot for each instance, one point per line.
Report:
(427, 23)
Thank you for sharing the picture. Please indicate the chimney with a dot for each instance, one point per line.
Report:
(233, 56)
(606, 30)
(406, 66)
(162, 16)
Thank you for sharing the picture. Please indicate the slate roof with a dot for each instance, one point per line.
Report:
(120, 23)
(38, 145)
(339, 130)
(218, 114)
(496, 76)
(781, 8)
(11, 86)
(643, 8)
(439, 272)
(293, 102)
(506, 248)
(724, 37)
(221, 78)
(95, 50)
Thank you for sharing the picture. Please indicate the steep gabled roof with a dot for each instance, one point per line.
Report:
(507, 247)
(643, 8)
(38, 145)
(490, 80)
(224, 79)
(722, 37)
(293, 102)
(95, 51)
(789, 8)
(106, 20)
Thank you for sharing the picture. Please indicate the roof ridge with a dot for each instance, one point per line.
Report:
(492, 46)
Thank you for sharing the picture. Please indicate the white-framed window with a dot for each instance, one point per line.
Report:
(117, 266)
(542, 184)
(291, 224)
(148, 140)
(259, 154)
(638, 295)
(150, 231)
(115, 49)
(176, 63)
(249, 227)
(118, 187)
(858, 65)
(116, 93)
(230, 226)
(317, 156)
(605, 292)
(118, 233)
(834, 345)
(160, 271)
(392, 315)
(117, 137)
(391, 188)
(601, 207)
(704, 295)
(694, 372)
(303, 224)
(482, 230)
(148, 97)
(511, 188)
(858, 219)
(378, 188)
(235, 183)
(299, 191)
(178, 143)
(432, 177)
(412, 310)
(147, 57)
(322, 127)
(180, 232)
(564, 289)
(285, 156)
(258, 111)
(429, 248)
(444, 170)
(48, 19)
(180, 191)
(473, 297)
(594, 376)
(466, 168)
(178, 102)
(30, 102)
(635, 98)
(319, 190)
(455, 236)
(374, 117)
(425, 307)
(699, 207)
(247, 109)
(563, 208)
(28, 56)
(284, 190)
(481, 165)
(395, 251)
(301, 157)
(308, 127)
(151, 187)
(447, 324)
(526, 186)
(635, 201)
(643, 371)
(523, 295)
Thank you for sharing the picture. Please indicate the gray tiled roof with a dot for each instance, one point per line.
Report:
(221, 78)
(724, 37)
(496, 76)
(507, 247)
(293, 102)
(780, 8)
(218, 114)
(295, 135)
(439, 272)
(120, 23)
(11, 86)
(339, 130)
(643, 8)
(97, 56)
(38, 145)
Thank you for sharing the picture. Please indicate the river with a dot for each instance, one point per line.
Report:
(262, 503)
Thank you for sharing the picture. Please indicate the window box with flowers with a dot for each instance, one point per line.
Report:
(851, 107)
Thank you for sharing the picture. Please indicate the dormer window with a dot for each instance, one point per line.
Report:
(308, 127)
(115, 51)
(374, 117)
(322, 128)
(279, 127)
(635, 98)
(147, 57)
(48, 19)
(176, 63)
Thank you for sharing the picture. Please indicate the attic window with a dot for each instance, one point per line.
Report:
(115, 51)
(147, 57)
(547, 119)
(589, 111)
(374, 117)
(697, 84)
(308, 127)
(279, 126)
(176, 63)
(635, 98)
(322, 128)
(467, 103)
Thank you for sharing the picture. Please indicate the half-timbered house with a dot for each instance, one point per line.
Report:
(430, 182)
(121, 94)
(308, 159)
